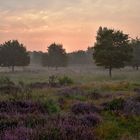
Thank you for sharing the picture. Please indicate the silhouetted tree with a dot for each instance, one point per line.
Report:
(12, 54)
(56, 56)
(135, 43)
(111, 49)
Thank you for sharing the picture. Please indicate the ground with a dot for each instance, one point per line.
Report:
(93, 106)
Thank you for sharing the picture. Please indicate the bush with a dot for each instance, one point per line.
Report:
(7, 86)
(65, 81)
(114, 105)
(53, 80)
(51, 106)
(6, 81)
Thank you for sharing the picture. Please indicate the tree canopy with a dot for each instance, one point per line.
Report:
(12, 54)
(55, 57)
(112, 49)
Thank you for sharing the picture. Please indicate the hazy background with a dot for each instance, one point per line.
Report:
(74, 23)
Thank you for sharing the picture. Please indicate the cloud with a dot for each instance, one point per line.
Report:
(67, 21)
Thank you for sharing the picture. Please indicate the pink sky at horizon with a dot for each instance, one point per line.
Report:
(73, 23)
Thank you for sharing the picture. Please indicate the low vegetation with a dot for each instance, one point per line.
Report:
(109, 111)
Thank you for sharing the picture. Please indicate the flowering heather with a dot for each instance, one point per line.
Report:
(84, 108)
(20, 133)
(90, 119)
(65, 128)
(22, 107)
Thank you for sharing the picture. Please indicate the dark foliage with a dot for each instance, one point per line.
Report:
(114, 105)
(65, 81)
(56, 56)
(112, 49)
(12, 54)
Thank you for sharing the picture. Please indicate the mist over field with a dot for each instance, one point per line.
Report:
(70, 70)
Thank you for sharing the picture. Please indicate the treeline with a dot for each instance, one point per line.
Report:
(112, 49)
(56, 56)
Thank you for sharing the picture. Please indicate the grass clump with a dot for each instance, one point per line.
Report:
(51, 106)
(65, 81)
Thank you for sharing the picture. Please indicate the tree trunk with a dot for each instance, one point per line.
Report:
(13, 68)
(110, 71)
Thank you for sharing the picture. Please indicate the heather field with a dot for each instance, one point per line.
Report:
(74, 103)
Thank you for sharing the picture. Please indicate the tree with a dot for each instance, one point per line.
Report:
(12, 54)
(135, 43)
(56, 56)
(112, 49)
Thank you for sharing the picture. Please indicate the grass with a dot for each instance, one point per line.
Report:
(114, 128)
(85, 74)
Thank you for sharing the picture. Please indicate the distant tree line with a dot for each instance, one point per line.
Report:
(56, 56)
(112, 49)
(81, 57)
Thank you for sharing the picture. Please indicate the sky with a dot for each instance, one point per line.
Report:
(73, 23)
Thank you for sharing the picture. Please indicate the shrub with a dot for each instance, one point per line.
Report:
(51, 106)
(6, 81)
(114, 105)
(65, 81)
(7, 86)
(53, 80)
